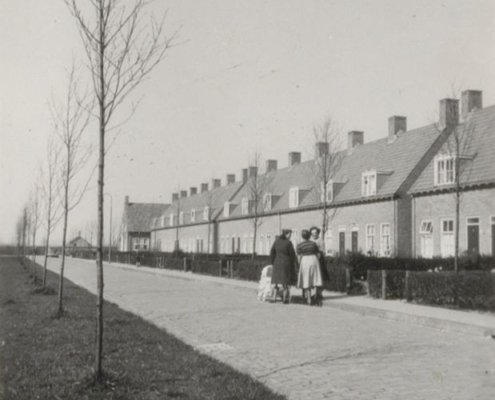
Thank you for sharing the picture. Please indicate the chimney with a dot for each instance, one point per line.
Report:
(183, 193)
(230, 178)
(321, 149)
(244, 175)
(271, 165)
(216, 183)
(354, 139)
(193, 191)
(253, 172)
(294, 158)
(449, 112)
(204, 187)
(396, 124)
(470, 100)
(175, 197)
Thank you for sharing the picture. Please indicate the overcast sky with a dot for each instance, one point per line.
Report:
(248, 76)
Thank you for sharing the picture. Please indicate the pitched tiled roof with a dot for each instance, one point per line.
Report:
(395, 160)
(478, 143)
(214, 199)
(139, 215)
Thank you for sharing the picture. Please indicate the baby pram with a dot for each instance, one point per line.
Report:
(267, 291)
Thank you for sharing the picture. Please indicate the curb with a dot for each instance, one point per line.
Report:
(431, 322)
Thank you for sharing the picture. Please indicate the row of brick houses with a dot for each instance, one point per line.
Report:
(391, 197)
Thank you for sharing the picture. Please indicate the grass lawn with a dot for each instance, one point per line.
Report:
(46, 358)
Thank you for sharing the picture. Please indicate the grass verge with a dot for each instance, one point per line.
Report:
(42, 357)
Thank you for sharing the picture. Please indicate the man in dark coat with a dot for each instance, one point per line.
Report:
(284, 260)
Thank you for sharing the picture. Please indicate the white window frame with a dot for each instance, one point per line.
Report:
(294, 197)
(206, 213)
(384, 252)
(370, 237)
(423, 227)
(171, 220)
(226, 209)
(442, 174)
(472, 223)
(368, 183)
(181, 218)
(267, 202)
(328, 239)
(245, 206)
(447, 235)
(328, 196)
(193, 215)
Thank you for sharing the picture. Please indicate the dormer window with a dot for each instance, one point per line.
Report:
(368, 183)
(293, 197)
(444, 169)
(326, 193)
(245, 206)
(226, 209)
(193, 215)
(267, 202)
(162, 221)
(206, 213)
(181, 218)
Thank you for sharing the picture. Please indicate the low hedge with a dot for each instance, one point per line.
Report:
(248, 270)
(337, 281)
(466, 289)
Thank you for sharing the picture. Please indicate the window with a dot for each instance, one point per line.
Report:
(206, 213)
(328, 241)
(226, 209)
(444, 170)
(171, 220)
(181, 218)
(245, 206)
(267, 202)
(368, 187)
(293, 197)
(262, 244)
(370, 239)
(327, 195)
(426, 238)
(385, 240)
(447, 237)
(193, 215)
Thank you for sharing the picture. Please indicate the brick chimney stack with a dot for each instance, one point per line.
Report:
(449, 113)
(321, 149)
(230, 178)
(253, 172)
(396, 123)
(193, 190)
(204, 187)
(271, 165)
(175, 197)
(244, 175)
(294, 158)
(354, 139)
(183, 193)
(471, 100)
(216, 183)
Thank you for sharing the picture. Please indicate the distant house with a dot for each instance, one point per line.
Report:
(136, 224)
(79, 243)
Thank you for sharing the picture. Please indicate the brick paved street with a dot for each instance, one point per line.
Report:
(306, 353)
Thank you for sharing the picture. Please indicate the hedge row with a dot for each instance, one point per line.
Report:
(467, 289)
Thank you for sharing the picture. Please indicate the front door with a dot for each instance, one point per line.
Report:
(354, 241)
(473, 239)
(342, 243)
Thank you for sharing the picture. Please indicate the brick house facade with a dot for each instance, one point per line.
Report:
(379, 196)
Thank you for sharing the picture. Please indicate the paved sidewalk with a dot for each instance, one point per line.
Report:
(303, 352)
(469, 322)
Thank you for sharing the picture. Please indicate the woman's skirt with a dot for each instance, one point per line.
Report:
(309, 273)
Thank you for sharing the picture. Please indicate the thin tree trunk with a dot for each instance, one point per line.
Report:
(45, 261)
(62, 264)
(99, 250)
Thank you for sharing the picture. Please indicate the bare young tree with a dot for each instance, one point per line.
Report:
(34, 224)
(70, 120)
(51, 203)
(327, 161)
(90, 230)
(257, 187)
(121, 50)
(455, 154)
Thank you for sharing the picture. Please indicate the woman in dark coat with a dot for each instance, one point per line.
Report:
(283, 258)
